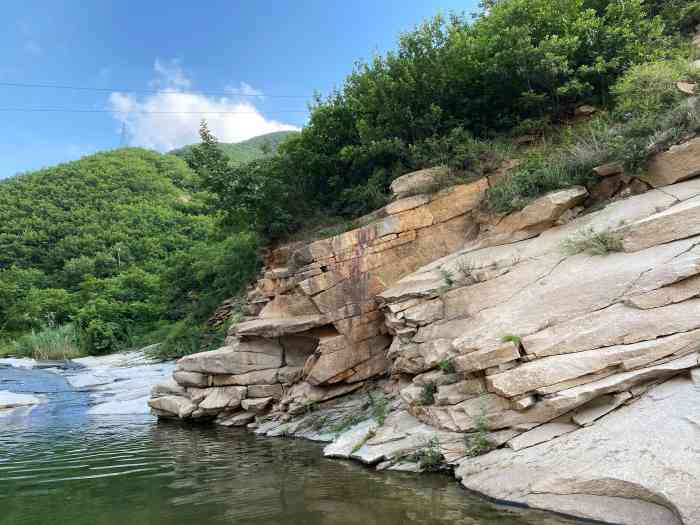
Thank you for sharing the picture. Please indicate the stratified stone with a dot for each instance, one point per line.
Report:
(240, 358)
(259, 377)
(223, 397)
(278, 327)
(589, 413)
(168, 387)
(176, 406)
(191, 378)
(271, 391)
(674, 293)
(677, 164)
(542, 434)
(237, 420)
(256, 406)
(678, 222)
(458, 392)
(423, 181)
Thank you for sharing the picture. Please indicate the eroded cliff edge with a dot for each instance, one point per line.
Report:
(557, 379)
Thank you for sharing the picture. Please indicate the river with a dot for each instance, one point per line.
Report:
(63, 465)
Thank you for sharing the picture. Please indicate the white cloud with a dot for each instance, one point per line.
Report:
(170, 117)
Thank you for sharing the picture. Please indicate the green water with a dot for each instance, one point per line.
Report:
(61, 466)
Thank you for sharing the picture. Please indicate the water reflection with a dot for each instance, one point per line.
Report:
(63, 469)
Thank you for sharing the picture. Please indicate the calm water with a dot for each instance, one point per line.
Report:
(60, 466)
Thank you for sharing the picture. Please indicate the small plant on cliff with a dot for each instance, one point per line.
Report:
(515, 339)
(466, 268)
(447, 366)
(478, 442)
(348, 421)
(427, 395)
(369, 435)
(380, 407)
(448, 277)
(592, 242)
(429, 458)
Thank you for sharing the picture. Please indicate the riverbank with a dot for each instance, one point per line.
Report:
(129, 467)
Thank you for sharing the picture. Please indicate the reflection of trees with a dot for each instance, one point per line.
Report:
(236, 477)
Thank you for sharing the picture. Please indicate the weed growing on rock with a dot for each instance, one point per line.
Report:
(478, 442)
(427, 396)
(348, 421)
(318, 422)
(466, 268)
(369, 435)
(592, 242)
(447, 277)
(515, 339)
(380, 407)
(429, 458)
(447, 366)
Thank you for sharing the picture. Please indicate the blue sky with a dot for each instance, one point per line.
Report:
(180, 57)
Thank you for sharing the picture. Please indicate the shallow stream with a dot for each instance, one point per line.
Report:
(61, 465)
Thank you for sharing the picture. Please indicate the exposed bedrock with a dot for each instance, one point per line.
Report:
(573, 370)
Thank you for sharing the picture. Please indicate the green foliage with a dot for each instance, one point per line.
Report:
(450, 84)
(245, 151)
(533, 178)
(592, 242)
(49, 342)
(346, 422)
(427, 395)
(118, 244)
(379, 406)
(429, 458)
(186, 337)
(650, 88)
(447, 366)
(515, 339)
(478, 442)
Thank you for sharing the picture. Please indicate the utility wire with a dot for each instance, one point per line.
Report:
(134, 112)
(237, 93)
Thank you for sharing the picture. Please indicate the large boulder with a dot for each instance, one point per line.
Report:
(634, 466)
(679, 163)
(240, 358)
(423, 181)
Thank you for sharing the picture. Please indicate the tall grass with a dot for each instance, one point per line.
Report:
(49, 343)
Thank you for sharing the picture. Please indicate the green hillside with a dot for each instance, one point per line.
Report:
(111, 243)
(248, 150)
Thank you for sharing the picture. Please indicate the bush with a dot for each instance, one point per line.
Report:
(592, 242)
(427, 396)
(534, 178)
(187, 337)
(48, 343)
(650, 88)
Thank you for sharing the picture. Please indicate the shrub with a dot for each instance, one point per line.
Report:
(531, 179)
(447, 366)
(650, 88)
(48, 343)
(379, 406)
(516, 340)
(429, 458)
(592, 242)
(478, 443)
(427, 396)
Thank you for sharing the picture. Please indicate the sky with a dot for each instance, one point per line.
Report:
(155, 68)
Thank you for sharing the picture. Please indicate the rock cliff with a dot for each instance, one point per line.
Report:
(550, 355)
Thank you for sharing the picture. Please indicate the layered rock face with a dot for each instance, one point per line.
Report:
(318, 332)
(501, 335)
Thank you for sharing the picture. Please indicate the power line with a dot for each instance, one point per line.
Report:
(237, 93)
(76, 110)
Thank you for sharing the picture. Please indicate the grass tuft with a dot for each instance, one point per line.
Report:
(592, 242)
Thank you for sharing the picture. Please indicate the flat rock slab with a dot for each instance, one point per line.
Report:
(271, 327)
(13, 400)
(635, 466)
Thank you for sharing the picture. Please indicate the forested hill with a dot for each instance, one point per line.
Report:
(248, 150)
(100, 242)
